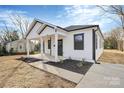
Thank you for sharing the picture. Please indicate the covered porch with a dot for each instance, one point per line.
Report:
(51, 46)
(45, 57)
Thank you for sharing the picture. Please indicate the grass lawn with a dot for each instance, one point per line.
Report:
(15, 73)
(112, 56)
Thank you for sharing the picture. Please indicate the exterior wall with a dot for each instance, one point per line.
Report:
(33, 34)
(68, 46)
(100, 48)
(68, 42)
(47, 51)
(47, 31)
(11, 45)
(21, 47)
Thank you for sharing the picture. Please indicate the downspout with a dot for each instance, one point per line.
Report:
(94, 44)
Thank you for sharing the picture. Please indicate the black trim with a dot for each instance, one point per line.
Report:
(94, 46)
(31, 29)
(82, 34)
(44, 28)
(60, 49)
(82, 28)
(43, 23)
(62, 28)
(39, 21)
(49, 45)
(100, 32)
(50, 26)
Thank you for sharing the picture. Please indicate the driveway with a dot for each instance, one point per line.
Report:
(103, 76)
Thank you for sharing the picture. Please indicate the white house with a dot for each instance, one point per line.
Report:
(76, 42)
(19, 46)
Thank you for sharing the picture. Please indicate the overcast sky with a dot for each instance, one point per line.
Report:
(60, 15)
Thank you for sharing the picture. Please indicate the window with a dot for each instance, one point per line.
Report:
(49, 44)
(79, 41)
(20, 47)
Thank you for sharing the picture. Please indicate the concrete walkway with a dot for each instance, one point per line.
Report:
(103, 76)
(69, 75)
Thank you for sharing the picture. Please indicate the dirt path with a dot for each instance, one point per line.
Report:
(15, 73)
(112, 56)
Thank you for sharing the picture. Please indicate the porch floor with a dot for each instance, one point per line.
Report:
(44, 57)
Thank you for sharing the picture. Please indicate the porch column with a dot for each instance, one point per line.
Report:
(56, 46)
(41, 45)
(27, 47)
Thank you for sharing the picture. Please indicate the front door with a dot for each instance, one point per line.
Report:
(60, 47)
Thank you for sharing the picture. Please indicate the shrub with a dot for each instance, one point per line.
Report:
(11, 52)
(3, 51)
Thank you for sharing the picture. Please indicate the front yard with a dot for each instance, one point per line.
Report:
(15, 73)
(112, 56)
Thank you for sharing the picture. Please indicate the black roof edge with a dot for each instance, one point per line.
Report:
(30, 30)
(36, 20)
(83, 28)
(62, 28)
(100, 32)
(44, 28)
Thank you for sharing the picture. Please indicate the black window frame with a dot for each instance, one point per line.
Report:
(49, 44)
(20, 47)
(76, 46)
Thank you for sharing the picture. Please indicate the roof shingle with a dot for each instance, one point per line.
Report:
(76, 27)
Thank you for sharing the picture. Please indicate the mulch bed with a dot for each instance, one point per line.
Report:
(29, 59)
(72, 65)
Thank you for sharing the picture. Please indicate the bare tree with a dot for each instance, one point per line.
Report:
(20, 22)
(118, 11)
(8, 34)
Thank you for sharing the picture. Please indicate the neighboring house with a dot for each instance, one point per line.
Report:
(19, 46)
(3, 43)
(76, 42)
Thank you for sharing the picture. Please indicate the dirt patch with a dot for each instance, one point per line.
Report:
(29, 59)
(73, 65)
(112, 56)
(16, 73)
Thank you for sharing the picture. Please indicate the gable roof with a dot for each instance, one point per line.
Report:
(39, 21)
(68, 29)
(78, 27)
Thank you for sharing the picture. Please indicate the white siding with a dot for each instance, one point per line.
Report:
(47, 51)
(47, 31)
(99, 49)
(68, 46)
(68, 42)
(33, 34)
